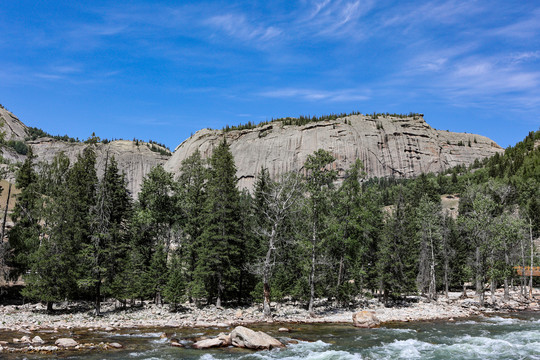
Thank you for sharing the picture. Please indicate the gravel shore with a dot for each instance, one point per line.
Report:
(31, 317)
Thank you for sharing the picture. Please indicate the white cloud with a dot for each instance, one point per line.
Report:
(316, 95)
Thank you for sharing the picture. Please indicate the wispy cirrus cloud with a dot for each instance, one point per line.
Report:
(237, 26)
(316, 95)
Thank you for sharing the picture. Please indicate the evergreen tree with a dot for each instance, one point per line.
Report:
(24, 236)
(218, 262)
(176, 285)
(319, 181)
(192, 197)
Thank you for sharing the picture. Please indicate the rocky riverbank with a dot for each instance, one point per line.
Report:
(30, 320)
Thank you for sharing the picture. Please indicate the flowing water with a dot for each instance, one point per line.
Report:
(498, 337)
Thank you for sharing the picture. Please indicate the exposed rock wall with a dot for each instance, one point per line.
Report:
(135, 160)
(388, 146)
(12, 127)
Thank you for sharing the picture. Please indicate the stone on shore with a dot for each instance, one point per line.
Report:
(37, 340)
(226, 338)
(116, 345)
(365, 319)
(246, 338)
(208, 343)
(66, 342)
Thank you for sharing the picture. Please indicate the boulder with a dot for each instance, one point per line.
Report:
(116, 345)
(283, 329)
(246, 338)
(365, 319)
(208, 343)
(175, 343)
(66, 342)
(226, 338)
(25, 339)
(37, 340)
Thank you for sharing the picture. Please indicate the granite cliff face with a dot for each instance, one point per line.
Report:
(388, 146)
(135, 160)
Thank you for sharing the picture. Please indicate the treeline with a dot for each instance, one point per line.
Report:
(303, 119)
(198, 238)
(36, 133)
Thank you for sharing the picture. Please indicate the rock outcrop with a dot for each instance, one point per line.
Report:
(13, 128)
(134, 159)
(388, 146)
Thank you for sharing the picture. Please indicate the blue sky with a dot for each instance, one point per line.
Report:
(163, 70)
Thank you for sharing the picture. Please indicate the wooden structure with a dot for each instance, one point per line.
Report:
(535, 270)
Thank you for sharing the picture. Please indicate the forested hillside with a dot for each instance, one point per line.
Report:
(197, 238)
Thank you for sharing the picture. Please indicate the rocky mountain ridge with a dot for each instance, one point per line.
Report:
(387, 145)
(135, 159)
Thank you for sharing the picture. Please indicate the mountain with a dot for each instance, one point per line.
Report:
(399, 146)
(136, 159)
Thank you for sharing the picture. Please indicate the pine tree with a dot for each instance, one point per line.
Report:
(101, 256)
(192, 197)
(218, 262)
(176, 286)
(24, 236)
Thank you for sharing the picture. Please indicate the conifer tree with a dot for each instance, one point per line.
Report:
(218, 262)
(192, 197)
(319, 181)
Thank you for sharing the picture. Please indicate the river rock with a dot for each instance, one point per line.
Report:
(116, 345)
(246, 338)
(365, 319)
(37, 340)
(226, 338)
(208, 343)
(66, 342)
(284, 330)
(25, 339)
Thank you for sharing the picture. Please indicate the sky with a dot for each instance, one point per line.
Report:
(162, 70)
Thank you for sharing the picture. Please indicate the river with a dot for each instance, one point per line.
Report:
(496, 337)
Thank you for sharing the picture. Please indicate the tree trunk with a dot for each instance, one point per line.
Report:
(266, 275)
(218, 300)
(5, 215)
(432, 280)
(312, 273)
(98, 298)
(532, 260)
(50, 309)
(506, 288)
(493, 288)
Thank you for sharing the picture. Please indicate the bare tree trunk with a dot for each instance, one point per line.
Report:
(493, 288)
(532, 260)
(432, 280)
(218, 300)
(98, 298)
(312, 273)
(5, 215)
(523, 279)
(266, 275)
(50, 307)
